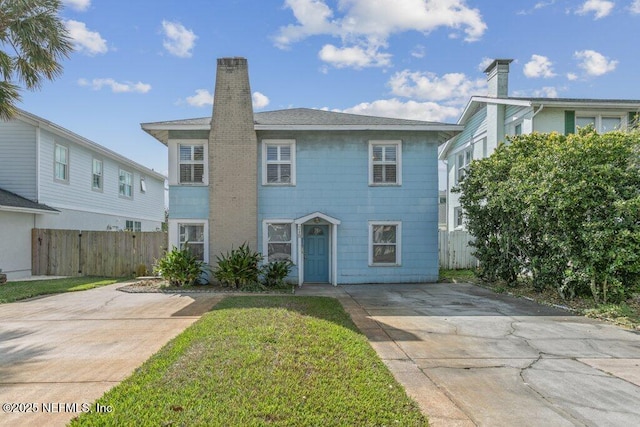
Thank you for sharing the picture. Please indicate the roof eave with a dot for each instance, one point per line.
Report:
(80, 140)
(17, 209)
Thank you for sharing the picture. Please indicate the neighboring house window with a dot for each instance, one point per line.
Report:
(385, 160)
(463, 159)
(601, 123)
(126, 184)
(278, 241)
(133, 225)
(191, 164)
(96, 176)
(517, 130)
(192, 237)
(143, 185)
(61, 163)
(278, 162)
(458, 217)
(384, 243)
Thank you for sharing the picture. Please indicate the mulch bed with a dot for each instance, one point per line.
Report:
(158, 285)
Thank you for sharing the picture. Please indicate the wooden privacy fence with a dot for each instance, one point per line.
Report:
(94, 253)
(455, 252)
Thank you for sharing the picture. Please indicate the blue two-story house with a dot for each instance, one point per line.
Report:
(348, 198)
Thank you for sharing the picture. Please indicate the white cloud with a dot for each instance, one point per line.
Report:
(429, 111)
(485, 63)
(600, 8)
(453, 88)
(179, 41)
(572, 76)
(539, 66)
(635, 7)
(354, 57)
(202, 98)
(116, 87)
(419, 51)
(259, 100)
(365, 25)
(79, 5)
(89, 42)
(546, 92)
(594, 63)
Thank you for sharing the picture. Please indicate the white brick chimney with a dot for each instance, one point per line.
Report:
(498, 78)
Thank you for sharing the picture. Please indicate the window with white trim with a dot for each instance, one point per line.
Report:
(191, 236)
(385, 161)
(131, 225)
(191, 167)
(96, 175)
(278, 162)
(463, 159)
(125, 187)
(278, 241)
(602, 123)
(384, 243)
(61, 163)
(458, 217)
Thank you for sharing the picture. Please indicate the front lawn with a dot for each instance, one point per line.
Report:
(256, 360)
(14, 291)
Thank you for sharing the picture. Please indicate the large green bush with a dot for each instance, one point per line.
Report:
(239, 268)
(179, 267)
(563, 211)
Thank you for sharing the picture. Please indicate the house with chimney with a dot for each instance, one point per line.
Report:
(347, 198)
(488, 120)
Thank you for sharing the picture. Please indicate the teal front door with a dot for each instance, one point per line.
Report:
(316, 253)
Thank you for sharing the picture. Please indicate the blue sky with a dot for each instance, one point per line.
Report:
(139, 61)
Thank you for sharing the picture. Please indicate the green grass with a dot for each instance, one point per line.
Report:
(257, 360)
(14, 291)
(457, 276)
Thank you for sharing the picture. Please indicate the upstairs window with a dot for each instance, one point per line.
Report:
(385, 163)
(278, 163)
(125, 188)
(463, 159)
(96, 175)
(61, 163)
(191, 164)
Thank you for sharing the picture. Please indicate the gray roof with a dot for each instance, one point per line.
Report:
(18, 203)
(307, 119)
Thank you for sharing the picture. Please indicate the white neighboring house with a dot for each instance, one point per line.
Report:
(487, 120)
(51, 177)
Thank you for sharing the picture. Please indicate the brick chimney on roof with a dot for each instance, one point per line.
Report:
(233, 161)
(498, 78)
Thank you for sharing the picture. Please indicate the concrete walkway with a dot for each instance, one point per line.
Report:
(470, 357)
(60, 353)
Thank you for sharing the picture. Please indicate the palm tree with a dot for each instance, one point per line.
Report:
(33, 40)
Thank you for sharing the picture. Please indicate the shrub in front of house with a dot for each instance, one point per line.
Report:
(179, 267)
(275, 273)
(239, 268)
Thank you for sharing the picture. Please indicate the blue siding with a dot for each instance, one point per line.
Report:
(332, 178)
(188, 202)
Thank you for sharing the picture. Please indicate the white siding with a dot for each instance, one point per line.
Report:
(15, 244)
(77, 194)
(18, 158)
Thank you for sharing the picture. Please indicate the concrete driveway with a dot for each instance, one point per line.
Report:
(59, 353)
(470, 357)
